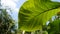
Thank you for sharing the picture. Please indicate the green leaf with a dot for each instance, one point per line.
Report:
(35, 13)
(54, 27)
(45, 32)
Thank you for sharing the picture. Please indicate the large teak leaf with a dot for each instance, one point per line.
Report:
(35, 13)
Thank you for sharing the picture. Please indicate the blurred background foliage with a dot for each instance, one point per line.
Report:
(7, 24)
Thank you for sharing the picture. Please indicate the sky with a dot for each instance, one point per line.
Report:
(14, 5)
(56, 0)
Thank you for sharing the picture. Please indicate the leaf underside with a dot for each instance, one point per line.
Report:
(35, 13)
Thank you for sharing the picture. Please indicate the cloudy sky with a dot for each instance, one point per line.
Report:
(14, 5)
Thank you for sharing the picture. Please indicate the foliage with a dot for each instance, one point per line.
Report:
(6, 22)
(54, 27)
(35, 13)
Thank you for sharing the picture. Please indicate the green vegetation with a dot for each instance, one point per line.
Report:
(34, 14)
(32, 18)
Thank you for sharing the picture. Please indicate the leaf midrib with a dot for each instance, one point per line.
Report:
(44, 12)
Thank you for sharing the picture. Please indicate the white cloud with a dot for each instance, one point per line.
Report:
(9, 3)
(12, 4)
(16, 9)
(15, 0)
